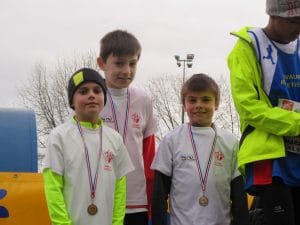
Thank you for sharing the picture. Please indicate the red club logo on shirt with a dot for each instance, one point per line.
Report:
(219, 156)
(108, 157)
(136, 119)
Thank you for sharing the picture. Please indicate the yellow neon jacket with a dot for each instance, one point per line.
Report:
(269, 123)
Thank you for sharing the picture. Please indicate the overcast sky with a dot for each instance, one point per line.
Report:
(43, 30)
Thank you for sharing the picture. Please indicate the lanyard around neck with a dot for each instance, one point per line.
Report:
(93, 183)
(203, 180)
(113, 110)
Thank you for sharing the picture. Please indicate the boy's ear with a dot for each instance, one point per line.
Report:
(100, 63)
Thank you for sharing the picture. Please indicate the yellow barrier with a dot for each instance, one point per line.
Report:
(24, 199)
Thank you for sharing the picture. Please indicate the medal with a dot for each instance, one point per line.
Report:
(203, 201)
(92, 209)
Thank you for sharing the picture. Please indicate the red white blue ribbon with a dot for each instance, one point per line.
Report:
(93, 183)
(203, 180)
(113, 110)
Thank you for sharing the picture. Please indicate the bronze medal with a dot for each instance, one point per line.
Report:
(92, 209)
(203, 201)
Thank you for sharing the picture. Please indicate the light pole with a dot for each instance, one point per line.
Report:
(189, 62)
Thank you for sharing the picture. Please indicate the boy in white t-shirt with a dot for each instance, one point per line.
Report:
(86, 161)
(129, 111)
(196, 165)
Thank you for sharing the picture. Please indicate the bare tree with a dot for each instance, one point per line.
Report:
(226, 116)
(165, 91)
(36, 95)
(45, 92)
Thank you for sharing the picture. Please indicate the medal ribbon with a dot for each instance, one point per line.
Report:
(112, 106)
(93, 184)
(203, 180)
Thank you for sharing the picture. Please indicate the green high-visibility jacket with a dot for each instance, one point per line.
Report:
(262, 124)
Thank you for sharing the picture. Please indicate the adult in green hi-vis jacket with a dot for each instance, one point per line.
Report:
(265, 84)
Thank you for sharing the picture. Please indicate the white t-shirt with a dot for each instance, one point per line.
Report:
(175, 158)
(66, 156)
(141, 124)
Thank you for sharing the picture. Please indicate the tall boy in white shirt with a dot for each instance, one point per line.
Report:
(129, 111)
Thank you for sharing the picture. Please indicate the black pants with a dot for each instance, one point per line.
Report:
(140, 218)
(280, 203)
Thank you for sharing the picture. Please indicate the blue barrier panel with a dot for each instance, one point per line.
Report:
(18, 140)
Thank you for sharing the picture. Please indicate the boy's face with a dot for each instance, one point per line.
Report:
(200, 107)
(119, 71)
(88, 101)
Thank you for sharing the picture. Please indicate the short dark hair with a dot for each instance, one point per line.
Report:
(200, 82)
(119, 43)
